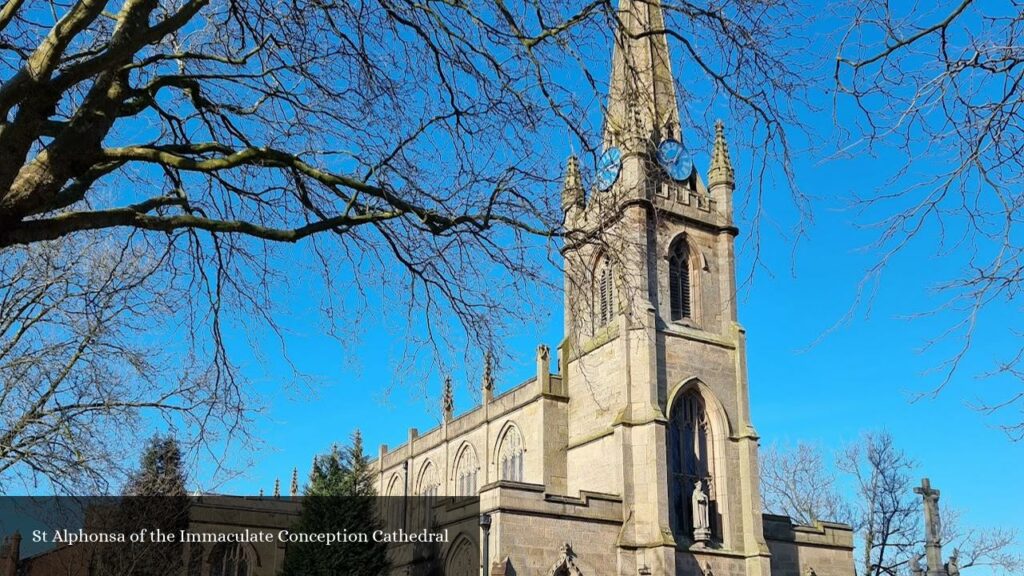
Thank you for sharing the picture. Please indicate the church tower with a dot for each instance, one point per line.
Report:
(653, 359)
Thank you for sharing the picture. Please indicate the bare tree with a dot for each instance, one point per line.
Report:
(801, 484)
(887, 513)
(992, 547)
(941, 84)
(873, 491)
(78, 373)
(177, 148)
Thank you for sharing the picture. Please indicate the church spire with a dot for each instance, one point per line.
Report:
(721, 171)
(642, 95)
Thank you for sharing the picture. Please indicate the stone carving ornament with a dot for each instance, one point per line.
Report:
(953, 565)
(566, 564)
(915, 564)
(701, 519)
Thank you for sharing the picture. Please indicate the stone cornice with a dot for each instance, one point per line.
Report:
(649, 205)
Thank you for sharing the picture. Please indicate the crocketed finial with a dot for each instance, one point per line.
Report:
(488, 379)
(721, 171)
(448, 399)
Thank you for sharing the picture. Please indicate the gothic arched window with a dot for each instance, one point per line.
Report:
(429, 489)
(510, 456)
(230, 559)
(690, 458)
(462, 560)
(604, 292)
(195, 559)
(395, 504)
(679, 287)
(465, 473)
(429, 483)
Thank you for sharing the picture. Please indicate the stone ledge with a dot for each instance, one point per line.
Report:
(521, 498)
(699, 335)
(591, 438)
(823, 533)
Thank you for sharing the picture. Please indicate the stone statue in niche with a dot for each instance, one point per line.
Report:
(701, 519)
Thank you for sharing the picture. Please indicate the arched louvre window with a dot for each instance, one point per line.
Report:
(604, 292)
(679, 286)
(510, 456)
(465, 473)
(690, 458)
(230, 559)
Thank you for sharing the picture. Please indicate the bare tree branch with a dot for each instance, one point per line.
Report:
(940, 85)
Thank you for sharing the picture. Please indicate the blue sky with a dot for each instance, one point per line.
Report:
(805, 384)
(813, 377)
(816, 373)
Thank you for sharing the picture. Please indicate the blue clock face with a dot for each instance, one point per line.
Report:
(675, 160)
(608, 166)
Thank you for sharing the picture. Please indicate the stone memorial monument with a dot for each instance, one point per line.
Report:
(932, 529)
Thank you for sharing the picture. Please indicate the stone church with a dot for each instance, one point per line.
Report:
(633, 450)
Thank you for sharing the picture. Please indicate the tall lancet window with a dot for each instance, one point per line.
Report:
(429, 489)
(465, 473)
(510, 456)
(691, 460)
(429, 482)
(394, 513)
(230, 559)
(679, 287)
(604, 292)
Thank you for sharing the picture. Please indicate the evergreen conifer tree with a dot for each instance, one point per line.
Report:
(160, 472)
(340, 497)
(154, 499)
